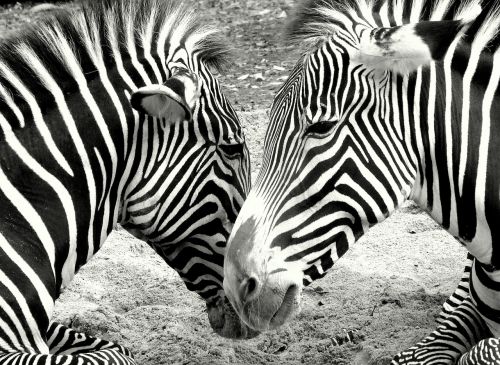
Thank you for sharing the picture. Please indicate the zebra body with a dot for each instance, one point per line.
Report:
(392, 100)
(111, 115)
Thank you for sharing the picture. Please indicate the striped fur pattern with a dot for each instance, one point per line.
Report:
(66, 346)
(459, 336)
(459, 327)
(456, 335)
(66, 341)
(486, 352)
(392, 100)
(76, 159)
(460, 294)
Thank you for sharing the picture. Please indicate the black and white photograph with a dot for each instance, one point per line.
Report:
(250, 182)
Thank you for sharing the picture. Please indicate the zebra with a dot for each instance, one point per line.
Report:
(391, 100)
(460, 294)
(459, 327)
(111, 115)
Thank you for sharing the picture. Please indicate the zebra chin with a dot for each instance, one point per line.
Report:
(273, 310)
(226, 323)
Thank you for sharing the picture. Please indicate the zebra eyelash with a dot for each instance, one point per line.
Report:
(321, 128)
(232, 150)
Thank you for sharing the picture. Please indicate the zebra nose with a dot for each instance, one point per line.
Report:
(249, 289)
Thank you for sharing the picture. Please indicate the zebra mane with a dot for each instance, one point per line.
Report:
(316, 20)
(93, 35)
(149, 17)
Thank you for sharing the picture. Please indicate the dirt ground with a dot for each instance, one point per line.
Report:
(387, 290)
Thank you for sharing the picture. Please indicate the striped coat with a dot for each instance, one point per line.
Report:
(111, 115)
(391, 100)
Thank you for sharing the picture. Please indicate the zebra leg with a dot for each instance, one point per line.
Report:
(101, 357)
(455, 336)
(23, 330)
(66, 341)
(484, 292)
(460, 328)
(69, 347)
(460, 293)
(486, 352)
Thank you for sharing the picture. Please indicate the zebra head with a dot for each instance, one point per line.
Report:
(185, 198)
(185, 173)
(340, 152)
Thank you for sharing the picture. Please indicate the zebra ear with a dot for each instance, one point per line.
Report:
(404, 49)
(174, 100)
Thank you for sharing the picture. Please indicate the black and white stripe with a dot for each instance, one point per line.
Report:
(460, 294)
(392, 100)
(459, 327)
(76, 159)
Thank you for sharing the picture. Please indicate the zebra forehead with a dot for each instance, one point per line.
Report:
(317, 20)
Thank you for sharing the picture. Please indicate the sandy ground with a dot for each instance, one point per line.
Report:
(387, 290)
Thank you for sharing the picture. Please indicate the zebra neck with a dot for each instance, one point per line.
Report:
(457, 141)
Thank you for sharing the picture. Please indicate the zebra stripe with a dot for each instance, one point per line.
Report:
(460, 293)
(79, 154)
(377, 110)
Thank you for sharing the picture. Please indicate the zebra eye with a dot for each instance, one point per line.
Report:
(232, 150)
(321, 128)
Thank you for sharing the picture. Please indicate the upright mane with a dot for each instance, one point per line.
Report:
(93, 41)
(91, 33)
(148, 18)
(316, 20)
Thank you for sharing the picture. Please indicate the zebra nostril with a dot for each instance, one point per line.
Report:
(251, 285)
(249, 289)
